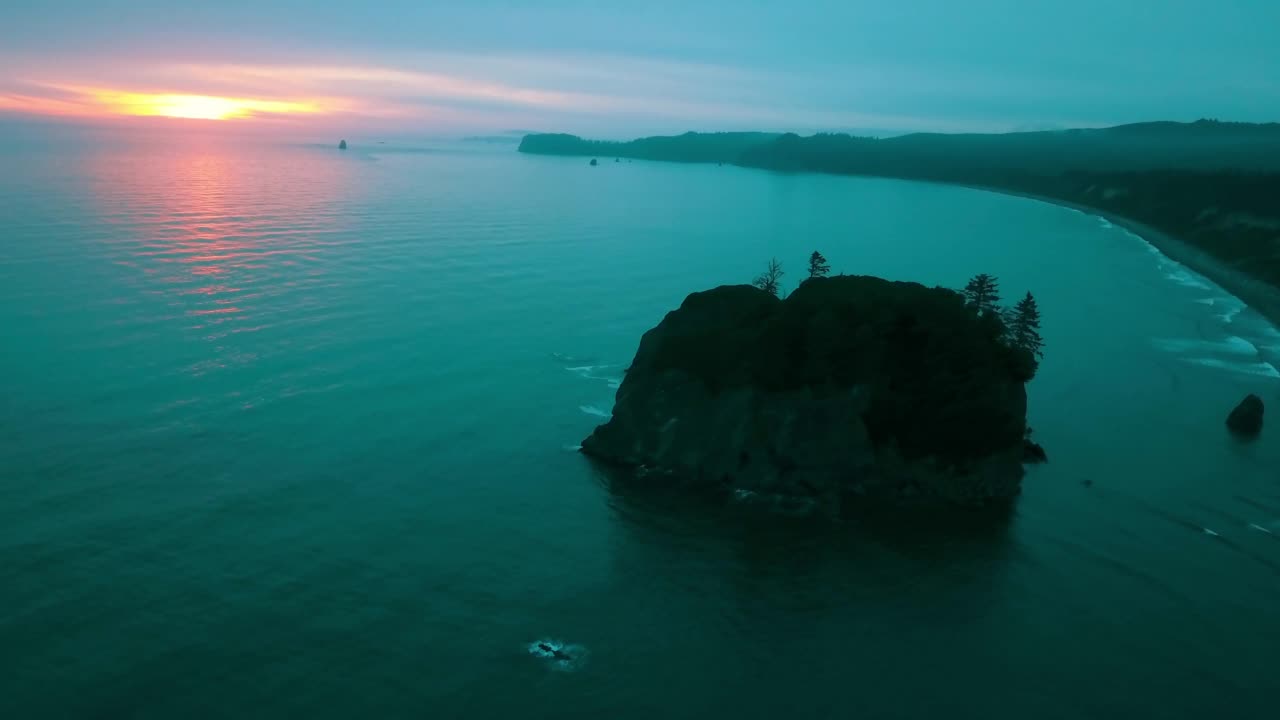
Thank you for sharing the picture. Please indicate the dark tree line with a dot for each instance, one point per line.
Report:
(1021, 323)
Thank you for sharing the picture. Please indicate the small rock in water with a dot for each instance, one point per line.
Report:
(560, 655)
(1246, 419)
(342, 145)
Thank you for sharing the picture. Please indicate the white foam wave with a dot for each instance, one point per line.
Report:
(1186, 279)
(595, 411)
(1152, 248)
(1240, 345)
(1231, 308)
(1183, 276)
(573, 448)
(1106, 223)
(1231, 346)
(588, 372)
(1259, 369)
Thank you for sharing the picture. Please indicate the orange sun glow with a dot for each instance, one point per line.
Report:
(197, 107)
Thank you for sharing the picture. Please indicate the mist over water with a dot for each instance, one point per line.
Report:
(288, 431)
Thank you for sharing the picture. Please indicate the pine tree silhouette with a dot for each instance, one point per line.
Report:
(818, 266)
(1024, 330)
(983, 293)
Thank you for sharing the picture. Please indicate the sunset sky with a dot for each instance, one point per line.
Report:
(615, 68)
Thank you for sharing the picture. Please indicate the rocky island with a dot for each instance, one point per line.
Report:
(852, 389)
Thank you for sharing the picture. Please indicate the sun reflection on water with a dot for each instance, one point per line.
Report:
(217, 237)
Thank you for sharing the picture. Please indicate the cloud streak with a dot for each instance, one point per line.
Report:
(615, 68)
(573, 91)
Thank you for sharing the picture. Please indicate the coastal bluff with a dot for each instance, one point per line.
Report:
(852, 389)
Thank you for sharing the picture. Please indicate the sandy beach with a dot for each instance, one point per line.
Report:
(1262, 297)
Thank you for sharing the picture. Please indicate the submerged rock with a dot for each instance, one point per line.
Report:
(547, 650)
(594, 162)
(560, 655)
(1246, 419)
(851, 389)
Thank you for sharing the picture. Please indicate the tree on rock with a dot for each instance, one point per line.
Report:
(770, 280)
(1008, 316)
(1024, 327)
(983, 294)
(818, 266)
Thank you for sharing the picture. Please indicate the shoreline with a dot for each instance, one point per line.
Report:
(1259, 296)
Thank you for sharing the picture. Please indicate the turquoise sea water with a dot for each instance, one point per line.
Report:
(290, 432)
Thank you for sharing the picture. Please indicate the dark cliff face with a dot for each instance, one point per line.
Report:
(851, 387)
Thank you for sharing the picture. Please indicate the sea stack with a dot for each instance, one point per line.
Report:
(342, 145)
(851, 390)
(1246, 419)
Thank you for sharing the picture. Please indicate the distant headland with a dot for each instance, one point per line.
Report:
(1205, 193)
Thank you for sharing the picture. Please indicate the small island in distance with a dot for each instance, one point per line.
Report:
(1206, 193)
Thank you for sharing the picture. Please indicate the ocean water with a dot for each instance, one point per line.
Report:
(292, 432)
